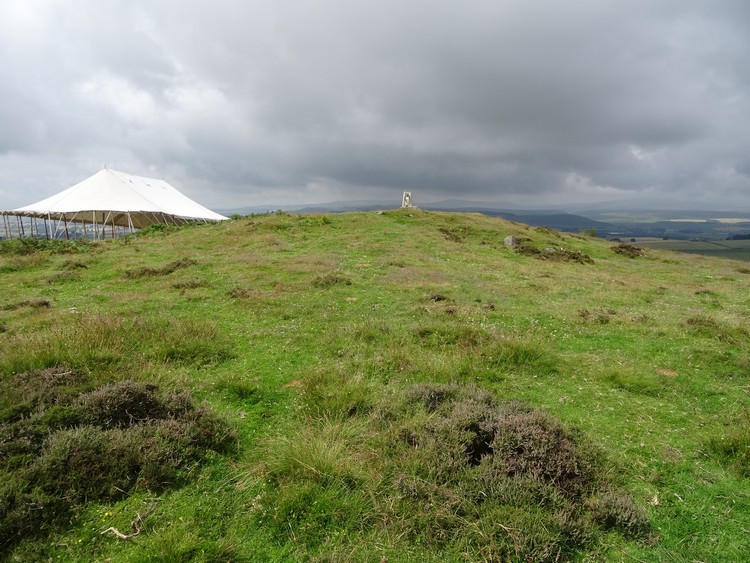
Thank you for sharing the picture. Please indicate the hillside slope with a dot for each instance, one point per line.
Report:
(357, 358)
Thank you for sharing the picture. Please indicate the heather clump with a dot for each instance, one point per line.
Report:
(67, 444)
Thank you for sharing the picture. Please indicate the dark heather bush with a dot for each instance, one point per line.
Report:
(506, 480)
(529, 442)
(37, 390)
(124, 404)
(430, 396)
(88, 463)
(65, 448)
(617, 510)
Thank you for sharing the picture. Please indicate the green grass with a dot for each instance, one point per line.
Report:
(365, 363)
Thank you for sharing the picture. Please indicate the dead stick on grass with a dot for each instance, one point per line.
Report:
(136, 525)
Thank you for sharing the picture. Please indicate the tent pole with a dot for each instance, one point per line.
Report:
(46, 226)
(20, 225)
(65, 222)
(104, 226)
(7, 226)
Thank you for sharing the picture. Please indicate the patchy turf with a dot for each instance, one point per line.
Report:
(399, 385)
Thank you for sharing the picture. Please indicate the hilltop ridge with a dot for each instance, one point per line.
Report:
(372, 367)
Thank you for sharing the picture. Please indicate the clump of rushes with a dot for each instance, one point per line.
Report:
(67, 444)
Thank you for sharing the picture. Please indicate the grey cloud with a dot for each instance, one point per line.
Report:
(481, 99)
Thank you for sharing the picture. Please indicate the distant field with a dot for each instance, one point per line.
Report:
(732, 249)
(728, 220)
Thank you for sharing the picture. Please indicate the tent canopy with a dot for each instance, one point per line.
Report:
(117, 198)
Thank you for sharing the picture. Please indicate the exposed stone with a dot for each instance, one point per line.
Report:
(511, 241)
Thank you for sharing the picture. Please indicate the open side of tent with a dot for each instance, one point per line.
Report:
(111, 199)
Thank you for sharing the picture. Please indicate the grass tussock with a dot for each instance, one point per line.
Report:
(710, 327)
(732, 446)
(191, 284)
(30, 303)
(72, 265)
(71, 444)
(628, 250)
(552, 253)
(453, 234)
(62, 277)
(149, 272)
(23, 262)
(649, 383)
(116, 344)
(329, 280)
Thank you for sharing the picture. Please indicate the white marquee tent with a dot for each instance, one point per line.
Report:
(105, 201)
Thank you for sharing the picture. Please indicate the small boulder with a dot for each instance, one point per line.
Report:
(511, 242)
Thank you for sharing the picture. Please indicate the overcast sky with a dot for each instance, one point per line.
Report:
(238, 103)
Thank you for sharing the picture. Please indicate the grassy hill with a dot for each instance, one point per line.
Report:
(371, 387)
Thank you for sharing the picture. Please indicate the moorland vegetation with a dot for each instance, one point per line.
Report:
(393, 386)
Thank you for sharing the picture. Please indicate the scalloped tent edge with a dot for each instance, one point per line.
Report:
(107, 204)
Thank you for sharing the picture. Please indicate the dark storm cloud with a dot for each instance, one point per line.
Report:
(303, 100)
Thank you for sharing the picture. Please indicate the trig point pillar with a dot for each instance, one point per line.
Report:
(406, 200)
